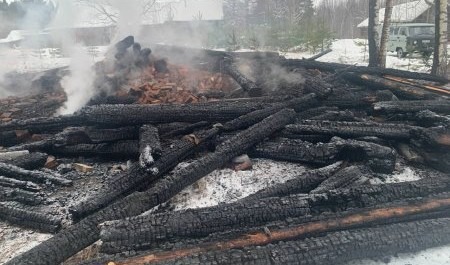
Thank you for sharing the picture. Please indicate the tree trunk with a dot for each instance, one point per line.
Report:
(440, 46)
(373, 36)
(385, 33)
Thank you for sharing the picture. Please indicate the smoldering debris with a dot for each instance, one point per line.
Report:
(123, 160)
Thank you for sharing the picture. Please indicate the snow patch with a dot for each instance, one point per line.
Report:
(227, 185)
(15, 240)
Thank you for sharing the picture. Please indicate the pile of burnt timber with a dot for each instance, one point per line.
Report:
(346, 131)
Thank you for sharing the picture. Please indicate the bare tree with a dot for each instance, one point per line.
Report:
(439, 67)
(106, 13)
(385, 33)
(373, 36)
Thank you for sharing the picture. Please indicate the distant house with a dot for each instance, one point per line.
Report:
(421, 11)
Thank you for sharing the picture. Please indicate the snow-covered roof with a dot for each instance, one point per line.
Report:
(406, 12)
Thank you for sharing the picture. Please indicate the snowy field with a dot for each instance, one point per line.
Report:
(223, 185)
(356, 52)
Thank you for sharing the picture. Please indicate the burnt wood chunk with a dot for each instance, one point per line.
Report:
(135, 177)
(29, 217)
(247, 85)
(338, 247)
(303, 183)
(403, 91)
(298, 104)
(73, 239)
(149, 146)
(347, 177)
(14, 183)
(124, 115)
(438, 106)
(148, 231)
(353, 129)
(20, 195)
(15, 172)
(28, 161)
(337, 67)
(119, 149)
(379, 158)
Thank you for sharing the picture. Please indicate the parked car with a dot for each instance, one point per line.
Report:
(407, 38)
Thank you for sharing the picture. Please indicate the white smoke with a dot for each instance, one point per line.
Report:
(79, 84)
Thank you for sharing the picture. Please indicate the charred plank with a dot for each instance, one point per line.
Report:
(148, 231)
(350, 176)
(30, 161)
(379, 158)
(332, 67)
(21, 195)
(84, 233)
(28, 217)
(34, 176)
(403, 91)
(332, 248)
(353, 129)
(389, 107)
(14, 183)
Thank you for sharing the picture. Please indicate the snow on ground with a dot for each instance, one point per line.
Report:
(227, 185)
(356, 52)
(14, 240)
(432, 256)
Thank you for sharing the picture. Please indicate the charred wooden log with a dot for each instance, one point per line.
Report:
(389, 107)
(30, 218)
(298, 104)
(312, 138)
(20, 195)
(428, 119)
(313, 112)
(302, 227)
(337, 116)
(351, 99)
(86, 232)
(128, 181)
(303, 183)
(144, 232)
(318, 86)
(332, 67)
(353, 129)
(185, 129)
(332, 248)
(14, 183)
(297, 151)
(40, 125)
(379, 158)
(351, 176)
(97, 135)
(435, 159)
(123, 115)
(28, 161)
(249, 86)
(8, 138)
(402, 91)
(149, 146)
(120, 149)
(35, 176)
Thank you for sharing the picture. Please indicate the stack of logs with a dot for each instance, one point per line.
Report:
(350, 125)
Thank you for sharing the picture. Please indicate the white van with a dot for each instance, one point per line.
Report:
(407, 38)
